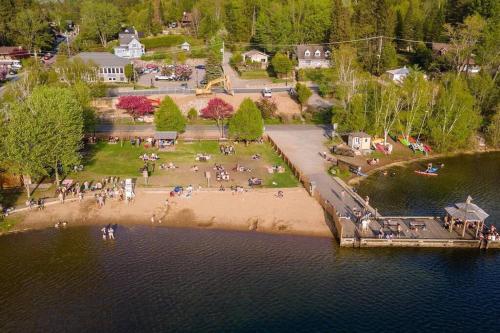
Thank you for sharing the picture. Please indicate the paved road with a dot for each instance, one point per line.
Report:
(302, 145)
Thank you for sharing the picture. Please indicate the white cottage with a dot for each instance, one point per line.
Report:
(359, 141)
(257, 57)
(399, 74)
(186, 46)
(130, 46)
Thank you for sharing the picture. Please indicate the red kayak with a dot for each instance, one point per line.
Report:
(426, 173)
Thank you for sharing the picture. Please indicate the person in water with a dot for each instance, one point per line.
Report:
(104, 233)
(111, 233)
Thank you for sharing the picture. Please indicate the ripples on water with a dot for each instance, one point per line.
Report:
(407, 193)
(211, 281)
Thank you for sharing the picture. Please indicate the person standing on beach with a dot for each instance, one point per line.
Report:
(61, 197)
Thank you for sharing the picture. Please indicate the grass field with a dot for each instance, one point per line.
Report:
(123, 161)
(256, 74)
(105, 160)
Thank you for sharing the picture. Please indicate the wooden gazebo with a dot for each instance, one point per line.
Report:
(466, 212)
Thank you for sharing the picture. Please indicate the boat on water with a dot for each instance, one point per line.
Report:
(430, 171)
(426, 173)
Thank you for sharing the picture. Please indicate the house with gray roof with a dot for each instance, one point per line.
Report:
(399, 74)
(130, 46)
(312, 56)
(256, 57)
(111, 67)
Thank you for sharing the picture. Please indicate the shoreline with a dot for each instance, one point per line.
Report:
(253, 211)
(358, 179)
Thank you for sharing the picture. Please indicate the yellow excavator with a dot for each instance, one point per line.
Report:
(208, 88)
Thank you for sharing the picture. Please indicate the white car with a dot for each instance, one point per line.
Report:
(267, 93)
(164, 77)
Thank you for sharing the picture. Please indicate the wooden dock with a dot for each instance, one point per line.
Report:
(300, 146)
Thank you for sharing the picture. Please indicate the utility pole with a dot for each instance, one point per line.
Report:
(253, 22)
(379, 55)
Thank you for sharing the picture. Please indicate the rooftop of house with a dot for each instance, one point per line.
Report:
(359, 135)
(127, 35)
(187, 17)
(103, 59)
(254, 52)
(440, 47)
(12, 49)
(313, 51)
(399, 71)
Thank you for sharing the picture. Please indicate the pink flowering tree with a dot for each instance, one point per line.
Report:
(183, 72)
(136, 106)
(4, 71)
(218, 110)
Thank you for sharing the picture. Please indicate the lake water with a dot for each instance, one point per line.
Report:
(180, 280)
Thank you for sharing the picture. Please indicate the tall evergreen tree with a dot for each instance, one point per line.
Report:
(168, 117)
(341, 22)
(247, 123)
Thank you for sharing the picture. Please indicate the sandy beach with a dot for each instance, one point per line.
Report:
(256, 211)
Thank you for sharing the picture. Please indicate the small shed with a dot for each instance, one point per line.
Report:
(186, 46)
(359, 141)
(399, 74)
(466, 213)
(165, 139)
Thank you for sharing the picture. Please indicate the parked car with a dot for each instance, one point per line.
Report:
(164, 77)
(47, 56)
(200, 67)
(292, 92)
(203, 82)
(267, 93)
(184, 85)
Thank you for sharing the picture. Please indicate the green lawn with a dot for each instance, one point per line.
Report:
(255, 74)
(123, 161)
(105, 160)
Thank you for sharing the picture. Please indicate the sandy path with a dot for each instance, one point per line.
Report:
(258, 210)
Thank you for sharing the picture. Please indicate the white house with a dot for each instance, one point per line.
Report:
(130, 47)
(256, 56)
(186, 46)
(111, 67)
(399, 74)
(312, 56)
(359, 141)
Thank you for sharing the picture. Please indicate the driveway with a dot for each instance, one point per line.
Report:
(149, 79)
(241, 83)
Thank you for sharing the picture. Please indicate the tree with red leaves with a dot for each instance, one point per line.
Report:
(4, 71)
(218, 110)
(136, 106)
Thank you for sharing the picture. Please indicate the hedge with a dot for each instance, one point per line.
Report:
(169, 41)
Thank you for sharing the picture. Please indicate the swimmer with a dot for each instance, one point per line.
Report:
(104, 230)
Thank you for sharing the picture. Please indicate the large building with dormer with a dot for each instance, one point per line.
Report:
(312, 56)
(130, 46)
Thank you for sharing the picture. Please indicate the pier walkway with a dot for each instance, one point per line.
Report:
(300, 147)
